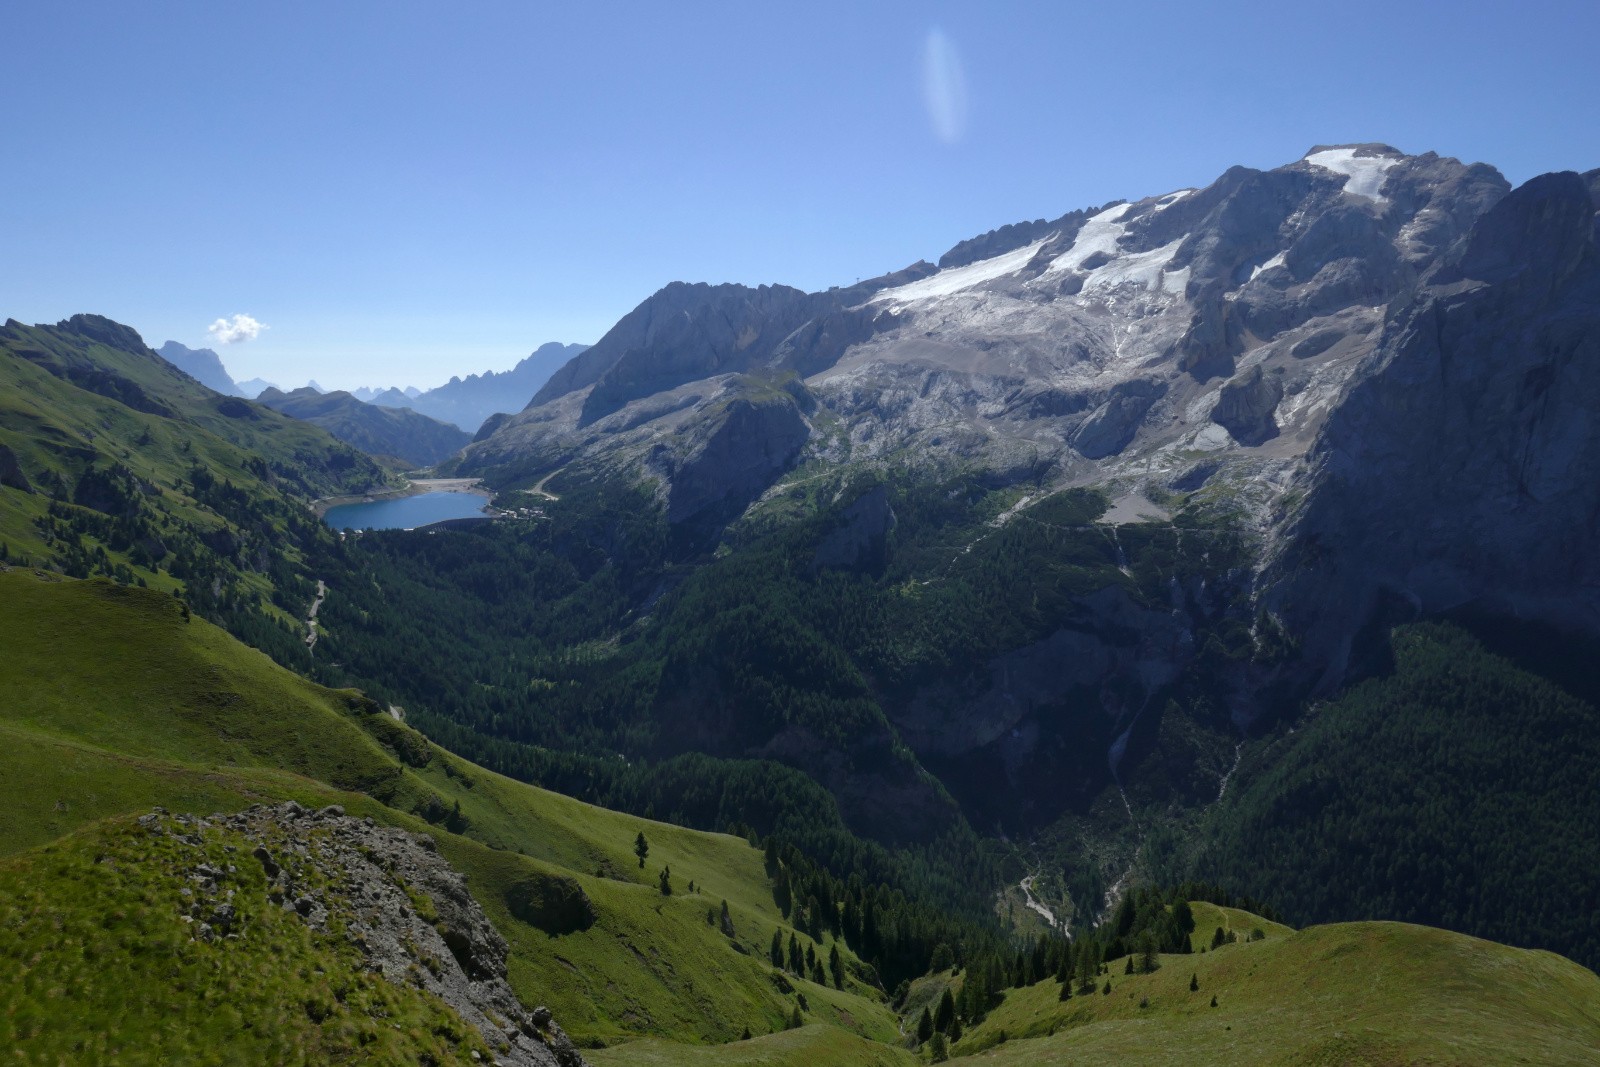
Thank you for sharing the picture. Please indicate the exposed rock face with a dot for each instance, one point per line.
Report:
(1104, 341)
(1110, 427)
(1246, 404)
(727, 459)
(377, 883)
(688, 332)
(681, 334)
(1459, 466)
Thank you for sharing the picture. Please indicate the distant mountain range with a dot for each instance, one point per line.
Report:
(377, 431)
(464, 402)
(468, 402)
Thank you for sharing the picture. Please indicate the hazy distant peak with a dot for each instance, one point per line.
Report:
(201, 364)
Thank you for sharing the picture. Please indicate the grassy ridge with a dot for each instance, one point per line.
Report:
(113, 702)
(1350, 993)
(1455, 791)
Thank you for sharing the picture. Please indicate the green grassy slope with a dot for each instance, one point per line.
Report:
(104, 377)
(1209, 918)
(98, 966)
(112, 702)
(120, 465)
(1350, 993)
(815, 1045)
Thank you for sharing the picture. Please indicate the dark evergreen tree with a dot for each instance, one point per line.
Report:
(945, 1014)
(641, 848)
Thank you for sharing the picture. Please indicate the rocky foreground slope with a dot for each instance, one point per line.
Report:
(386, 891)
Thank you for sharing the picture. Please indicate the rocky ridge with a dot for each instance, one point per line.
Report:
(1130, 343)
(388, 892)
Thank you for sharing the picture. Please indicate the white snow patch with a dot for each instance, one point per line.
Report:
(1100, 233)
(1141, 268)
(1172, 198)
(1175, 281)
(954, 279)
(1365, 173)
(1275, 261)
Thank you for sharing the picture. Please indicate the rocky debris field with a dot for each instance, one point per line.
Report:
(387, 891)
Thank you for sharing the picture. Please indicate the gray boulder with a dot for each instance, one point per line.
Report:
(1246, 405)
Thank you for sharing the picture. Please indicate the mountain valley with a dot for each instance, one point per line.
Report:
(987, 634)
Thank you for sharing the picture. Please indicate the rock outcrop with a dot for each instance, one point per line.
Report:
(391, 894)
(1458, 468)
(730, 456)
(1246, 404)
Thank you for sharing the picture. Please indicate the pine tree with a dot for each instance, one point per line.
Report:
(1194, 983)
(797, 959)
(775, 953)
(726, 920)
(796, 1020)
(945, 1014)
(924, 1027)
(1107, 989)
(1219, 938)
(1213, 1000)
(782, 894)
(1129, 968)
(1088, 967)
(1149, 960)
(938, 1052)
(641, 848)
(836, 966)
(1066, 990)
(666, 881)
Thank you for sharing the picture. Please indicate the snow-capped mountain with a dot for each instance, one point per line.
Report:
(1266, 338)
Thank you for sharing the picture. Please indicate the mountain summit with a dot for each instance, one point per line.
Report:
(1322, 344)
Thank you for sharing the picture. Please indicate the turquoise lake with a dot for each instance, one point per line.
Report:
(407, 512)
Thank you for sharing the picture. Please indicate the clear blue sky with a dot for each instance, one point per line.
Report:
(404, 191)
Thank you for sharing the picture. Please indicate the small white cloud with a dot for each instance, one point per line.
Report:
(232, 331)
(944, 86)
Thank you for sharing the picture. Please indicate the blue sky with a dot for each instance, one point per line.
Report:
(405, 191)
